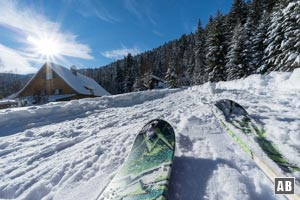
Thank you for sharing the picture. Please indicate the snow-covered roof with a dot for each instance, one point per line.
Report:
(158, 78)
(80, 83)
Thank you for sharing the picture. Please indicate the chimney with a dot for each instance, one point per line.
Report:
(74, 70)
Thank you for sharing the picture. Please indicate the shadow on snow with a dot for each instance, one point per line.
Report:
(190, 177)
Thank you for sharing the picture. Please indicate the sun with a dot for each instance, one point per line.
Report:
(45, 46)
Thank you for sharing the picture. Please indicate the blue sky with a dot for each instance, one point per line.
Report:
(92, 33)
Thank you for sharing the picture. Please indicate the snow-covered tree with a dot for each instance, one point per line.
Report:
(138, 85)
(147, 80)
(171, 77)
(258, 46)
(215, 52)
(282, 41)
(119, 80)
(130, 73)
(237, 14)
(291, 43)
(275, 36)
(236, 66)
(199, 75)
(259, 7)
(247, 35)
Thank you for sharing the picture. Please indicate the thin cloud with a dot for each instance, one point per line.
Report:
(151, 18)
(95, 8)
(12, 62)
(142, 10)
(25, 23)
(120, 53)
(24, 20)
(158, 33)
(132, 6)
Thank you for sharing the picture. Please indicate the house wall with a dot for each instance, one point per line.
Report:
(41, 86)
(78, 96)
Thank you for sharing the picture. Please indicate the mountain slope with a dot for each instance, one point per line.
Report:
(71, 150)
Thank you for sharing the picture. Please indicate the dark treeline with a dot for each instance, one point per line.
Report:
(11, 83)
(256, 36)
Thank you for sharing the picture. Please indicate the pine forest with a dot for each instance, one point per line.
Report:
(256, 36)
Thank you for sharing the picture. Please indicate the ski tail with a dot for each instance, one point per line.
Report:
(236, 121)
(236, 116)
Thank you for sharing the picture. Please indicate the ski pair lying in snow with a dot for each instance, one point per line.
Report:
(145, 173)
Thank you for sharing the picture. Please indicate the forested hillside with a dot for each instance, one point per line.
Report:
(11, 83)
(257, 36)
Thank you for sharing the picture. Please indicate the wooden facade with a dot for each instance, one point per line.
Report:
(46, 82)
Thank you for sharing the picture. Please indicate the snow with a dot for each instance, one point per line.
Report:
(7, 101)
(71, 150)
(294, 80)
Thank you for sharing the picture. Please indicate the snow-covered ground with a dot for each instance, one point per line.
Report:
(71, 150)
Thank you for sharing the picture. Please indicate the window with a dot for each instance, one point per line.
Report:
(90, 89)
(57, 91)
(49, 75)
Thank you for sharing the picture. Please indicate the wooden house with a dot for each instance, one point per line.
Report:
(56, 83)
(155, 82)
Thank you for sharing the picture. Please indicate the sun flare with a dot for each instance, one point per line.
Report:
(45, 46)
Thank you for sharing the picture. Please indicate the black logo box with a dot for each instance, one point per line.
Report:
(285, 185)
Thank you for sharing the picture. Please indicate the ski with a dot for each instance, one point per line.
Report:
(145, 173)
(245, 130)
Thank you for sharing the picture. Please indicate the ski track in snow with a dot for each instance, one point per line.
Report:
(71, 150)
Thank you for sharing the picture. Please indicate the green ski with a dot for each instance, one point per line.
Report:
(145, 173)
(238, 123)
(237, 117)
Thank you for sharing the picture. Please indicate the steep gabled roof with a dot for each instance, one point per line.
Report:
(80, 83)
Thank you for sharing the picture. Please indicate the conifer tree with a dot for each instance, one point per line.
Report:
(129, 73)
(237, 14)
(274, 38)
(171, 75)
(215, 56)
(119, 78)
(290, 46)
(268, 5)
(256, 10)
(247, 37)
(258, 46)
(199, 75)
(236, 65)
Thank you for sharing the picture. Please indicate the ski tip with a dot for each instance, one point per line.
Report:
(230, 106)
(154, 123)
(157, 128)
